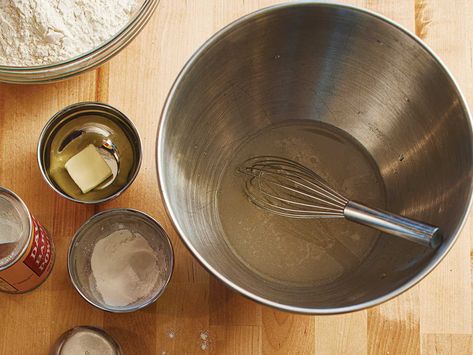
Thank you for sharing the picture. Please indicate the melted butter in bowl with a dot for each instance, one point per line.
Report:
(75, 136)
(78, 127)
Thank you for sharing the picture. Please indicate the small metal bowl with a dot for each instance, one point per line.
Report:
(77, 110)
(98, 227)
(87, 340)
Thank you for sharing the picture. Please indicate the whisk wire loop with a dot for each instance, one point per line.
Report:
(263, 201)
(288, 188)
(267, 164)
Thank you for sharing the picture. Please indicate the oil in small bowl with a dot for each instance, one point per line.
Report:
(89, 136)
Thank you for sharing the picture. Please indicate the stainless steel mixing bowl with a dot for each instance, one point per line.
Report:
(338, 64)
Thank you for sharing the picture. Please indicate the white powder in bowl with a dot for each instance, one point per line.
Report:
(38, 32)
(87, 342)
(125, 268)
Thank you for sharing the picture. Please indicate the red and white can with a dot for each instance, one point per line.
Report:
(26, 250)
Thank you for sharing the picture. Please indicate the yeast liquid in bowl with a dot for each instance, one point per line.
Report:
(350, 69)
(301, 252)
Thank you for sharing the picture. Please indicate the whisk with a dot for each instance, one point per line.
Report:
(287, 188)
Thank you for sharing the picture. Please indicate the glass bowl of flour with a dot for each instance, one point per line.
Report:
(120, 260)
(44, 41)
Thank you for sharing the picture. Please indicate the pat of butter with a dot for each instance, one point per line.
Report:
(88, 169)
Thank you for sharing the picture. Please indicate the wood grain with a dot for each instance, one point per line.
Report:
(350, 332)
(442, 344)
(393, 327)
(434, 317)
(446, 293)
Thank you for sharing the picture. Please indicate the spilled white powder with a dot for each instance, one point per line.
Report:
(125, 268)
(204, 337)
(38, 32)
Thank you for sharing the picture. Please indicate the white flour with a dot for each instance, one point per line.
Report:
(37, 32)
(125, 268)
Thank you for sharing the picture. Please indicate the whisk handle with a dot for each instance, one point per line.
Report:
(393, 224)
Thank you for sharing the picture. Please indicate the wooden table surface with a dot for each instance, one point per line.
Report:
(433, 317)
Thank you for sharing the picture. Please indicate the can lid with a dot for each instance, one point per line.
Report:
(86, 340)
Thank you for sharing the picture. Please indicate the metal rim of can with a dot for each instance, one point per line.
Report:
(93, 219)
(72, 111)
(57, 347)
(30, 234)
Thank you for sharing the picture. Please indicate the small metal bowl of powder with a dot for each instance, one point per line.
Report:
(86, 340)
(120, 260)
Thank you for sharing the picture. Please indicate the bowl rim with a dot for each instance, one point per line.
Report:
(101, 215)
(135, 19)
(75, 109)
(432, 264)
(65, 337)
